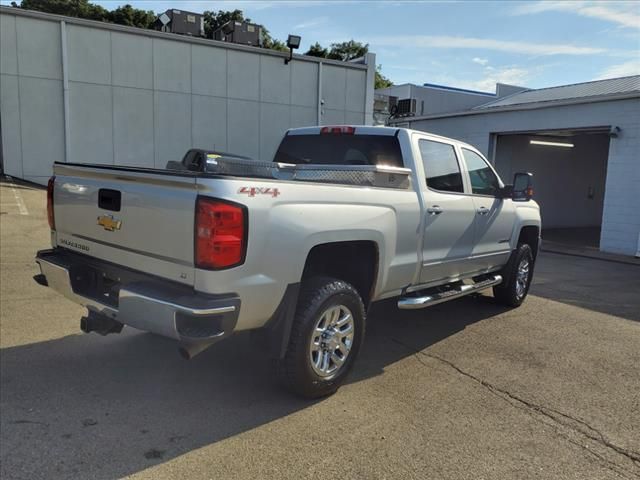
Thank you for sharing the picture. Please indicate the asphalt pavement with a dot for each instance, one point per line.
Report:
(464, 390)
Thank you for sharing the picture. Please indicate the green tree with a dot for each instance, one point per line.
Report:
(316, 50)
(213, 21)
(381, 81)
(346, 51)
(133, 17)
(70, 8)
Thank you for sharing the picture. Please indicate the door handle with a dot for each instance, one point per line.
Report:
(435, 210)
(483, 211)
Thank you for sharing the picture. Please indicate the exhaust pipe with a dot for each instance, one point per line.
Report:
(95, 322)
(188, 351)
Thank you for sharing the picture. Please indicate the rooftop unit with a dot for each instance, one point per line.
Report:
(244, 33)
(181, 22)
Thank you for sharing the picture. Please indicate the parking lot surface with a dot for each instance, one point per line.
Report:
(464, 390)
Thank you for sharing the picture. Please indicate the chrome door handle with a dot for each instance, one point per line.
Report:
(483, 211)
(435, 210)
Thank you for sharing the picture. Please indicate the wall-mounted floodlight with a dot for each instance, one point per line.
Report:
(293, 42)
(551, 144)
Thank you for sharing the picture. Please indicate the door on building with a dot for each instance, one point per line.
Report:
(570, 170)
(450, 214)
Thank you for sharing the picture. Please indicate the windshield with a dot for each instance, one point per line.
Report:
(330, 149)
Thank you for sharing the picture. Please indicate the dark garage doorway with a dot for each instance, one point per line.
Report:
(570, 171)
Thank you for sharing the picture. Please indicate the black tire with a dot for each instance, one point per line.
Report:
(508, 293)
(295, 370)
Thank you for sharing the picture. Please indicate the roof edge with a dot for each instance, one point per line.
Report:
(525, 106)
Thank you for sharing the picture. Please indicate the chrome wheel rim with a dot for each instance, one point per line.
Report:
(331, 340)
(522, 278)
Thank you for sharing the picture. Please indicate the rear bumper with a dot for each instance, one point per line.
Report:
(142, 301)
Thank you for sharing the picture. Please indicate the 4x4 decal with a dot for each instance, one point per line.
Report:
(253, 191)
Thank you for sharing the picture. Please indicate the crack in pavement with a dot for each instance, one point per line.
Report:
(556, 416)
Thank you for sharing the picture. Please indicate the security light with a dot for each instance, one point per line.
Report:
(551, 144)
(293, 42)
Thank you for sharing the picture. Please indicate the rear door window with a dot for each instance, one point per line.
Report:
(340, 149)
(441, 166)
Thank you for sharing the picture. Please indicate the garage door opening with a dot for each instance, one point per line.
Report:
(570, 170)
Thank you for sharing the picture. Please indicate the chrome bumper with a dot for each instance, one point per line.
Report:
(145, 302)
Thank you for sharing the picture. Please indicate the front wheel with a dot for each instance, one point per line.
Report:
(518, 274)
(326, 335)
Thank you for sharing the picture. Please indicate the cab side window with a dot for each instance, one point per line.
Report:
(483, 180)
(441, 166)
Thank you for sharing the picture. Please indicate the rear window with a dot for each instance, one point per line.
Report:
(336, 149)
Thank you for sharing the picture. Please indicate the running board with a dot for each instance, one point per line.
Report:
(412, 303)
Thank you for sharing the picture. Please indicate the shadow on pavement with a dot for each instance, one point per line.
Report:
(99, 407)
(598, 285)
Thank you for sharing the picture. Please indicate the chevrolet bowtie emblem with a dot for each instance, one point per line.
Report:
(109, 223)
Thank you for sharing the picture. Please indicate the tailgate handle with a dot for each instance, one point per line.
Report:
(109, 199)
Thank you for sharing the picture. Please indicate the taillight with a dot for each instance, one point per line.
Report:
(339, 130)
(221, 234)
(50, 216)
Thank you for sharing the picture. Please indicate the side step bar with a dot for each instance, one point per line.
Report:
(412, 303)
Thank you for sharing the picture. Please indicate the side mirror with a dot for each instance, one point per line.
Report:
(522, 187)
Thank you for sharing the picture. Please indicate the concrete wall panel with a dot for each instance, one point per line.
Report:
(244, 75)
(133, 127)
(303, 116)
(304, 84)
(12, 154)
(89, 54)
(90, 123)
(172, 126)
(171, 66)
(209, 122)
(275, 80)
(39, 50)
(333, 117)
(132, 60)
(41, 125)
(243, 127)
(355, 93)
(8, 53)
(334, 81)
(143, 98)
(274, 121)
(209, 71)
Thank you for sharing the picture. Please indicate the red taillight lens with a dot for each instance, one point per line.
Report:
(339, 130)
(50, 216)
(220, 233)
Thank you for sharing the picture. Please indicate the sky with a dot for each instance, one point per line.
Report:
(466, 44)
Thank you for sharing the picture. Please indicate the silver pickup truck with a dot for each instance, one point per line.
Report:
(298, 247)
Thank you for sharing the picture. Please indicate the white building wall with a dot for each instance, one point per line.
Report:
(140, 97)
(621, 217)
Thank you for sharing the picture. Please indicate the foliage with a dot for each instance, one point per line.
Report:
(346, 51)
(316, 50)
(381, 81)
(213, 21)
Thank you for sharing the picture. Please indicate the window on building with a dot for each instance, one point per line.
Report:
(441, 166)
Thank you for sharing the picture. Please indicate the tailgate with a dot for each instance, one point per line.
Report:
(141, 219)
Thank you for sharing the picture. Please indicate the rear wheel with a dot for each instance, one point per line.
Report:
(518, 274)
(326, 335)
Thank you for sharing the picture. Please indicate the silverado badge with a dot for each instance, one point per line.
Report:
(109, 223)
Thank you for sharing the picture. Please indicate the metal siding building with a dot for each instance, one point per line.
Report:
(594, 184)
(83, 91)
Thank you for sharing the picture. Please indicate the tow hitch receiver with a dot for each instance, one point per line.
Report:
(95, 322)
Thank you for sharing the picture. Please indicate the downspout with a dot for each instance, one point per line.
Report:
(320, 100)
(65, 88)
